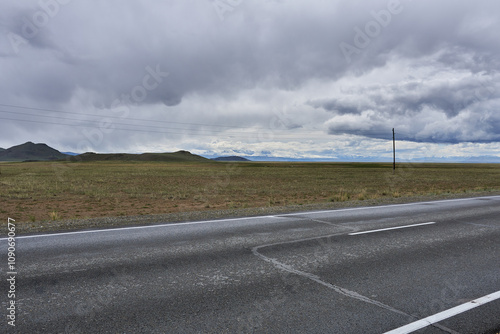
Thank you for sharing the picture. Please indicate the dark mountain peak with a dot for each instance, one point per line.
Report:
(27, 144)
(31, 145)
(30, 151)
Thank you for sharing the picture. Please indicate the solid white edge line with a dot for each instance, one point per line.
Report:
(391, 228)
(388, 206)
(256, 217)
(414, 326)
(136, 227)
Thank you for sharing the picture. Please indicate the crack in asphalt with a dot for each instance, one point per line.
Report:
(343, 291)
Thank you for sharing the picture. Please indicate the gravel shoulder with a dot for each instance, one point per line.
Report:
(26, 228)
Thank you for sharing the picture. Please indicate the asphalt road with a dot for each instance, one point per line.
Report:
(313, 272)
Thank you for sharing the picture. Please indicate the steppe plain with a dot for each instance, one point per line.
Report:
(59, 195)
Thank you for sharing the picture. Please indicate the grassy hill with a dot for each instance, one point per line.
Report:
(175, 156)
(41, 152)
(30, 151)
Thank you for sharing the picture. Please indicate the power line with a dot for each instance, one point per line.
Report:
(93, 126)
(225, 134)
(118, 117)
(210, 132)
(114, 123)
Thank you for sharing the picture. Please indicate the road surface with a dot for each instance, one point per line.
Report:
(428, 267)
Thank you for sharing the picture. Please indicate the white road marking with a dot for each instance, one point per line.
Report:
(391, 228)
(256, 217)
(136, 227)
(392, 205)
(414, 326)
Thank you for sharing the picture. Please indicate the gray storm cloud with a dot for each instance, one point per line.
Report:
(444, 111)
(56, 52)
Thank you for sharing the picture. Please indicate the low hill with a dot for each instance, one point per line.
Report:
(30, 151)
(175, 156)
(231, 158)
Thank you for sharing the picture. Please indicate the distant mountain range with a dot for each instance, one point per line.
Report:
(41, 152)
(176, 156)
(350, 158)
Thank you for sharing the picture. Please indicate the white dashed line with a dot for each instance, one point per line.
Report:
(391, 228)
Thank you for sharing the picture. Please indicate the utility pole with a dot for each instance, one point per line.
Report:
(393, 151)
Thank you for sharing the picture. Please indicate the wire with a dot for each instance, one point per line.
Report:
(126, 124)
(92, 126)
(132, 119)
(118, 117)
(207, 131)
(139, 130)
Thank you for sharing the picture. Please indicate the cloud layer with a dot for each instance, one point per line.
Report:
(160, 75)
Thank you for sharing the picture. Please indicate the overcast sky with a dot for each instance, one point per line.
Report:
(302, 79)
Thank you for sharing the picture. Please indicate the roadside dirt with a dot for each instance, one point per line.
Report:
(111, 221)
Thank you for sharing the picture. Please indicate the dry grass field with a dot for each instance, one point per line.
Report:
(37, 191)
